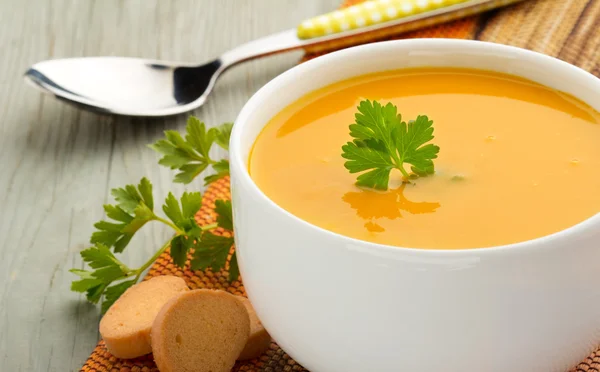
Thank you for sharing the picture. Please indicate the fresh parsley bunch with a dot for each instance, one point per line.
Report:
(109, 277)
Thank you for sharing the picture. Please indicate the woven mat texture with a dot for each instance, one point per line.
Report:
(567, 29)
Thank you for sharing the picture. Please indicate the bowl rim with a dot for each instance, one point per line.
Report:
(268, 90)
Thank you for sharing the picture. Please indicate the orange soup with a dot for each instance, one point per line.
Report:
(517, 161)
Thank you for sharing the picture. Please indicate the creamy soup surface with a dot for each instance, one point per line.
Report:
(517, 161)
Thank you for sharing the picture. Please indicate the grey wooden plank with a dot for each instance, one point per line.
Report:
(57, 163)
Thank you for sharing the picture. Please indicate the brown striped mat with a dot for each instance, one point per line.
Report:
(567, 29)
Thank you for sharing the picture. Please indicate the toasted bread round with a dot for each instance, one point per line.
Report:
(126, 325)
(200, 331)
(259, 340)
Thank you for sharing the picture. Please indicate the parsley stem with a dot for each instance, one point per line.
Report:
(209, 227)
(171, 224)
(138, 272)
(404, 172)
(151, 260)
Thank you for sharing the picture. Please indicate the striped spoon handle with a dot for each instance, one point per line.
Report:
(378, 13)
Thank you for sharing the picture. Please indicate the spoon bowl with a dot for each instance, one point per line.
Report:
(127, 86)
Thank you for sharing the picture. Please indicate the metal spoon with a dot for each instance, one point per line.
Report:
(142, 87)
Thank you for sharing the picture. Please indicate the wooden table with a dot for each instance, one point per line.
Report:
(58, 164)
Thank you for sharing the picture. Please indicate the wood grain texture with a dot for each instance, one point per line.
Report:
(57, 163)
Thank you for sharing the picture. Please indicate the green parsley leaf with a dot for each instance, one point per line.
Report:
(234, 269)
(107, 269)
(172, 209)
(221, 168)
(211, 251)
(173, 157)
(86, 282)
(194, 231)
(412, 146)
(133, 210)
(179, 250)
(362, 158)
(191, 155)
(182, 212)
(223, 133)
(224, 214)
(113, 293)
(117, 213)
(189, 172)
(382, 142)
(128, 198)
(145, 188)
(122, 242)
(190, 203)
(94, 294)
(99, 256)
(197, 135)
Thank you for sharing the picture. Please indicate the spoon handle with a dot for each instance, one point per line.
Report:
(360, 23)
(370, 13)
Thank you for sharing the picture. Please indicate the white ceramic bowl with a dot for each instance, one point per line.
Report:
(338, 304)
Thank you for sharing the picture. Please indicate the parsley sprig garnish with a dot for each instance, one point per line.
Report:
(383, 141)
(109, 277)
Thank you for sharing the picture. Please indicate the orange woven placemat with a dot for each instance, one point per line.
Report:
(567, 29)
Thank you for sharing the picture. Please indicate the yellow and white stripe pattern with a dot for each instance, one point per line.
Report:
(367, 14)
